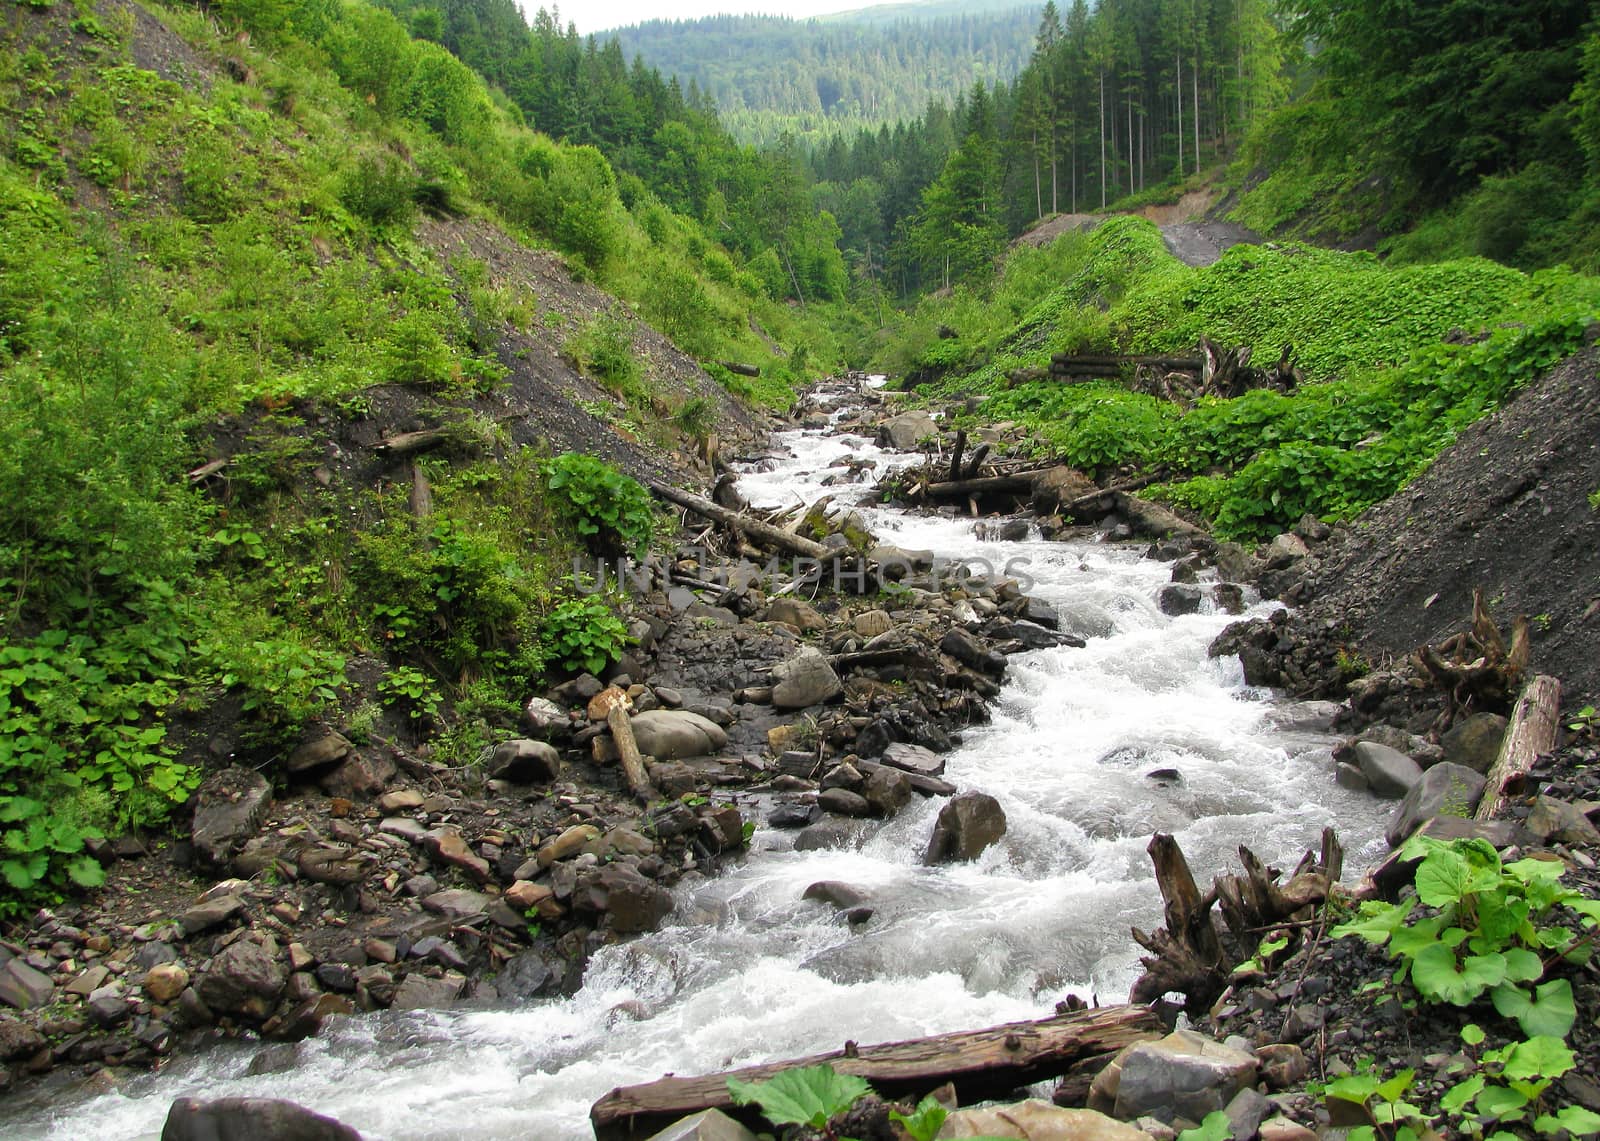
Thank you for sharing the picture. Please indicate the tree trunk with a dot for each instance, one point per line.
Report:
(1178, 57)
(1194, 77)
(628, 749)
(755, 528)
(981, 1064)
(1532, 731)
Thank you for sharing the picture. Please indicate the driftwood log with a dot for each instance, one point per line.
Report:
(1191, 955)
(757, 530)
(408, 443)
(1532, 731)
(628, 751)
(982, 1064)
(740, 369)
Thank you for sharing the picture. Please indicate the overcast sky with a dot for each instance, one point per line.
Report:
(599, 15)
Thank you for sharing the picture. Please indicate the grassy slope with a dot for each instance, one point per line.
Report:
(214, 248)
(1385, 393)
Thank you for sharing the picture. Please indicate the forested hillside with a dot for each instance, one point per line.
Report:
(295, 314)
(769, 75)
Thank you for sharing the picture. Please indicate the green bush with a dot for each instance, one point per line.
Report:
(603, 349)
(379, 190)
(583, 634)
(610, 509)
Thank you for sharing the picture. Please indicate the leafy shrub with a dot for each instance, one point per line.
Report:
(603, 348)
(379, 190)
(611, 509)
(583, 634)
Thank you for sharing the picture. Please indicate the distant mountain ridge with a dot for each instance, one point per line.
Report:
(836, 73)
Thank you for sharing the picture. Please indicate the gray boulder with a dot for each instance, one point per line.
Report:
(244, 979)
(1183, 1075)
(805, 679)
(800, 615)
(843, 802)
(887, 791)
(1444, 790)
(23, 987)
(250, 1119)
(419, 992)
(1389, 772)
(1474, 742)
(228, 809)
(1179, 598)
(524, 761)
(967, 824)
(905, 431)
(913, 759)
(967, 650)
(707, 1125)
(669, 734)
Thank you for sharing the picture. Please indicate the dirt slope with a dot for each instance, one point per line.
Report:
(1506, 508)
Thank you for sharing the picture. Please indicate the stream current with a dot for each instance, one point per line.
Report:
(746, 971)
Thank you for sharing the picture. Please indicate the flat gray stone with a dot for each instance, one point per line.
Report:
(457, 903)
(913, 759)
(708, 1125)
(1389, 772)
(672, 734)
(804, 680)
(419, 992)
(1444, 790)
(250, 1119)
(525, 761)
(1474, 742)
(23, 987)
(1184, 1074)
(228, 809)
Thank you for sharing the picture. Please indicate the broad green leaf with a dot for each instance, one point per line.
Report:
(1376, 922)
(1500, 917)
(924, 1123)
(1533, 870)
(1462, 1094)
(1354, 1087)
(1442, 878)
(1214, 1128)
(1500, 1102)
(808, 1095)
(1541, 1056)
(1575, 1119)
(86, 871)
(1549, 1011)
(1409, 941)
(1437, 976)
(1395, 1087)
(1472, 1034)
(1523, 966)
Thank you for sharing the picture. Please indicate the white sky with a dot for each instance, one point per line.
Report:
(600, 15)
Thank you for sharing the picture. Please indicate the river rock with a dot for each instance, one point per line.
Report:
(843, 802)
(1389, 772)
(969, 651)
(338, 866)
(631, 902)
(1056, 487)
(836, 892)
(913, 759)
(1183, 1075)
(1444, 790)
(707, 1125)
(1474, 742)
(456, 903)
(209, 913)
(801, 615)
(228, 808)
(18, 1040)
(525, 761)
(318, 750)
(527, 974)
(1179, 598)
(1558, 820)
(1246, 1111)
(1283, 1064)
(545, 719)
(23, 987)
(165, 981)
(243, 979)
(967, 824)
(835, 833)
(905, 431)
(420, 992)
(448, 846)
(1036, 1120)
(871, 623)
(250, 1119)
(887, 791)
(671, 734)
(805, 679)
(363, 774)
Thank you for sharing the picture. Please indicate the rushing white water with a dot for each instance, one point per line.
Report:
(749, 971)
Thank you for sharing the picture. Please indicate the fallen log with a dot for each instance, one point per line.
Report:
(1532, 731)
(740, 369)
(754, 528)
(980, 485)
(406, 443)
(628, 751)
(981, 1064)
(955, 453)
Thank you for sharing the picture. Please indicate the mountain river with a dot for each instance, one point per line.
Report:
(745, 971)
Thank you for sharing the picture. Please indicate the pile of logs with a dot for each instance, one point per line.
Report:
(1214, 372)
(1195, 957)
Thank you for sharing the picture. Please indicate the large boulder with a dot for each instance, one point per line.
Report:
(23, 987)
(1389, 772)
(905, 431)
(1183, 1075)
(228, 808)
(1444, 790)
(967, 824)
(1474, 742)
(250, 1119)
(800, 615)
(668, 734)
(1036, 1120)
(630, 901)
(525, 761)
(805, 679)
(243, 979)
